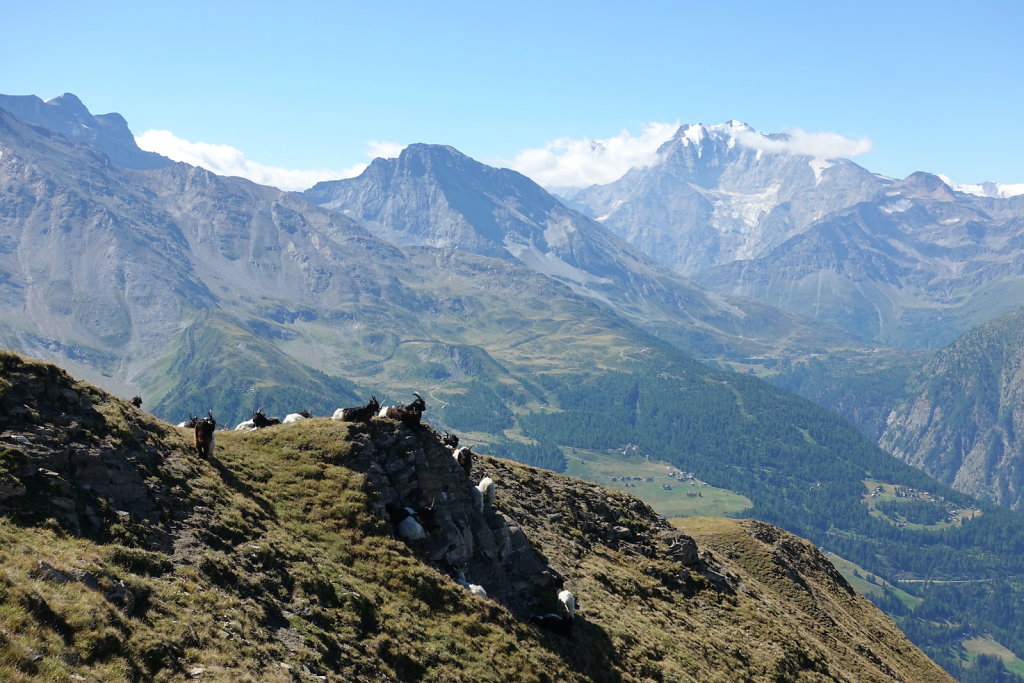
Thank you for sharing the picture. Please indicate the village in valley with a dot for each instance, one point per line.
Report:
(907, 507)
(669, 490)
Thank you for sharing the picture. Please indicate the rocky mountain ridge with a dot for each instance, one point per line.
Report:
(433, 195)
(914, 269)
(908, 263)
(67, 116)
(274, 560)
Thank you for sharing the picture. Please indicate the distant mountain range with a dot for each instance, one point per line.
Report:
(529, 326)
(909, 263)
(110, 269)
(714, 197)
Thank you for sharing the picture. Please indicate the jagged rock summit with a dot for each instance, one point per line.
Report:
(67, 115)
(128, 557)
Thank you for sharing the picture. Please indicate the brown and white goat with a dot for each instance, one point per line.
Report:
(409, 414)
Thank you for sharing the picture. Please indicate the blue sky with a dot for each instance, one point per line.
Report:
(319, 86)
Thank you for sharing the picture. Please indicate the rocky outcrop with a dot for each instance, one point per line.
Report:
(88, 460)
(407, 466)
(69, 117)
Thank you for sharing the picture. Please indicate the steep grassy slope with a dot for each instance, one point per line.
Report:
(805, 470)
(124, 557)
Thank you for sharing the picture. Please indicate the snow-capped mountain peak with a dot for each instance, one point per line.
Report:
(696, 133)
(987, 189)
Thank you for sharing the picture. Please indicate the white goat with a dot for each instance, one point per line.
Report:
(487, 489)
(296, 417)
(410, 530)
(411, 525)
(568, 601)
(247, 426)
(474, 588)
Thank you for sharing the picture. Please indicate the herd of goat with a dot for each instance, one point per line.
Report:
(409, 524)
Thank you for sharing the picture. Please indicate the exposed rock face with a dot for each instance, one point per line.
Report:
(69, 117)
(913, 268)
(909, 263)
(963, 419)
(769, 565)
(90, 461)
(408, 467)
(433, 195)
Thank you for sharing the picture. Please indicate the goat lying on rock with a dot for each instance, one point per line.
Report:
(409, 414)
(474, 588)
(358, 414)
(412, 525)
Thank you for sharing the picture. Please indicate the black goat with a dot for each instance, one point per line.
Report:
(464, 457)
(358, 414)
(260, 420)
(205, 429)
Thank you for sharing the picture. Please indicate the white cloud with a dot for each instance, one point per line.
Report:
(568, 163)
(377, 149)
(561, 164)
(229, 161)
(819, 145)
(987, 189)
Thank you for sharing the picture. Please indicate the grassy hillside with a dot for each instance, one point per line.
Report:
(125, 557)
(805, 470)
